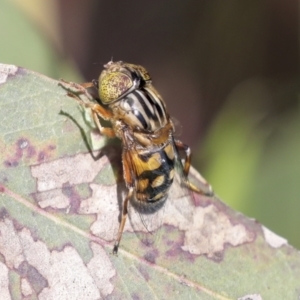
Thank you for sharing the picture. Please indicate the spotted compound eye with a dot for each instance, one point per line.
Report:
(113, 85)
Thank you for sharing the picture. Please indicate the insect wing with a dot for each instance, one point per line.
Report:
(146, 225)
(175, 209)
(148, 172)
(181, 199)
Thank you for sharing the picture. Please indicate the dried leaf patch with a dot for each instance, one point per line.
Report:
(6, 70)
(54, 274)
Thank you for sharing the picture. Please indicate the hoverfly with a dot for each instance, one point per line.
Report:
(140, 120)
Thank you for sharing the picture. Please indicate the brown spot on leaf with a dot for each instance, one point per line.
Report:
(151, 256)
(20, 147)
(36, 280)
(30, 151)
(3, 213)
(135, 296)
(142, 269)
(51, 147)
(24, 150)
(10, 163)
(74, 197)
(41, 156)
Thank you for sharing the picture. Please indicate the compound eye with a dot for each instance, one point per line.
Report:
(113, 85)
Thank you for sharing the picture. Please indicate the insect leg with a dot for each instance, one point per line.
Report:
(107, 131)
(76, 87)
(188, 155)
(123, 221)
(186, 169)
(97, 110)
(87, 85)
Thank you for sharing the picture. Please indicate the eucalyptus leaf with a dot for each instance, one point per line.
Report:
(60, 205)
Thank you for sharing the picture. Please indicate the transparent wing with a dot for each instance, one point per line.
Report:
(187, 189)
(175, 209)
(177, 127)
(181, 197)
(146, 225)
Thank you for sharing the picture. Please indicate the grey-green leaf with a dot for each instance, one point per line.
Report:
(60, 208)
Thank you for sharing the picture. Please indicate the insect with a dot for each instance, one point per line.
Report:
(139, 118)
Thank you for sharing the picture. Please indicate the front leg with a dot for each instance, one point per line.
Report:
(74, 89)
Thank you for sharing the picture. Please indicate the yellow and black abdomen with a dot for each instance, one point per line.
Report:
(154, 172)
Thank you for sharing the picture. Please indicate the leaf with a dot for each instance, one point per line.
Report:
(60, 208)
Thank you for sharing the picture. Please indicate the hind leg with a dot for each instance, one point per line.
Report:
(186, 169)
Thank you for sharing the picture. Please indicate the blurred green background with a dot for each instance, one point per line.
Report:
(228, 70)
